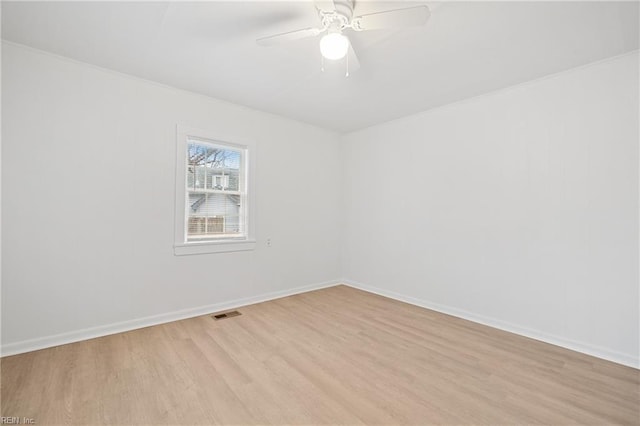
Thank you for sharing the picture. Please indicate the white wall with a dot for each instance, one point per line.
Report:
(518, 209)
(88, 202)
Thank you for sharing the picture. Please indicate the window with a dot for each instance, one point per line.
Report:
(215, 191)
(213, 207)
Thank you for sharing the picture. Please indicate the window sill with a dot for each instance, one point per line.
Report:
(213, 247)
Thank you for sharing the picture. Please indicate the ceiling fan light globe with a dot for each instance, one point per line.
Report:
(334, 46)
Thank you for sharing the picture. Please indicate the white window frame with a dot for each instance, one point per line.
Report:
(247, 240)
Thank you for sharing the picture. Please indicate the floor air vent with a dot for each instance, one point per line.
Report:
(225, 315)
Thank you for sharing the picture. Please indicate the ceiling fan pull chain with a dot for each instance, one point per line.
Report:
(347, 73)
(321, 63)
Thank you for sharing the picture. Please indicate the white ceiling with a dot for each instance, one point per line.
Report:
(466, 49)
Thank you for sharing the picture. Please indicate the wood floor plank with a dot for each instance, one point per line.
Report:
(332, 356)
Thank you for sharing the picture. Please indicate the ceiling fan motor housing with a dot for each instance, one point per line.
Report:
(339, 18)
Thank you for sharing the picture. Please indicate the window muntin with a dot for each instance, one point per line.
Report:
(215, 193)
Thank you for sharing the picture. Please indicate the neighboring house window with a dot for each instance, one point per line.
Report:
(213, 211)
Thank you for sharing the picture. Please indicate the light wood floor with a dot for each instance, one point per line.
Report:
(333, 356)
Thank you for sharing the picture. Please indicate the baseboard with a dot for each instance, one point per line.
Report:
(582, 347)
(119, 327)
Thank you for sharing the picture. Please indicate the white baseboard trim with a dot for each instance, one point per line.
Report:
(119, 327)
(582, 347)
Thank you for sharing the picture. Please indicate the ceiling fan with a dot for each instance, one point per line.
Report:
(337, 16)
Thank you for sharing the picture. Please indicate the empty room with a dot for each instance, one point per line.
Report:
(321, 212)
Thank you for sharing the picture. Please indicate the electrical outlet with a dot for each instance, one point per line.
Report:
(268, 242)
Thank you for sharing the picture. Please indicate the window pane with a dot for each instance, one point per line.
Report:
(212, 215)
(213, 167)
(233, 179)
(200, 177)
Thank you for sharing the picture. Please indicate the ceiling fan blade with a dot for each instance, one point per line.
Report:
(325, 5)
(353, 64)
(288, 36)
(398, 18)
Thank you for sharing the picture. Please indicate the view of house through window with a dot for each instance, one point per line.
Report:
(215, 191)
